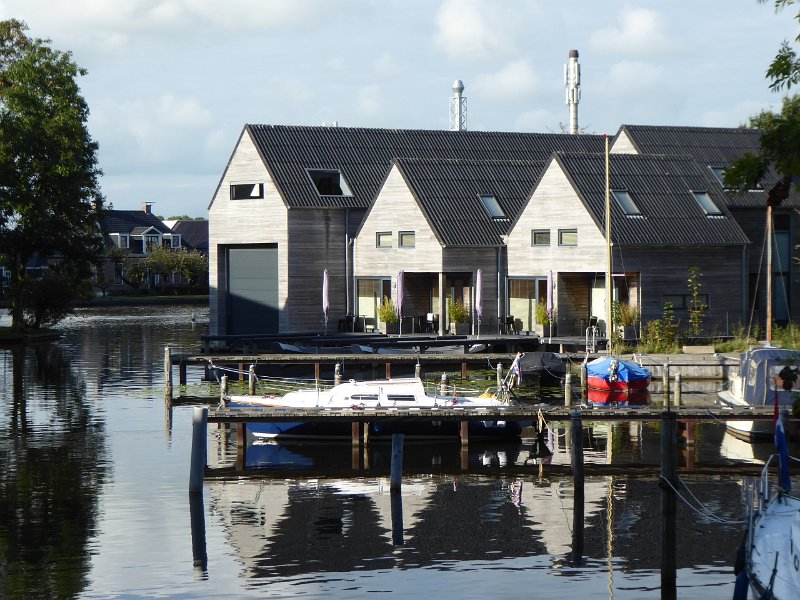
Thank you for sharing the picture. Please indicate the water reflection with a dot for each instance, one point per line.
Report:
(54, 465)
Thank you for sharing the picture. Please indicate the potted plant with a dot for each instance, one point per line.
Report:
(545, 325)
(387, 316)
(459, 315)
(629, 316)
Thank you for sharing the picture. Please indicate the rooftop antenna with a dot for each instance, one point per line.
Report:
(458, 108)
(572, 81)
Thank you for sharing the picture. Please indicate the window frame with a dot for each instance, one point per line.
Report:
(563, 232)
(401, 235)
(258, 188)
(534, 232)
(344, 188)
(382, 235)
(699, 197)
(492, 207)
(627, 204)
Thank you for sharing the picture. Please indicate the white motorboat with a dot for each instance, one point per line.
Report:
(764, 373)
(386, 394)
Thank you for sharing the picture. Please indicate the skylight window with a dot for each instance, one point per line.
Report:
(626, 203)
(719, 173)
(492, 207)
(705, 202)
(329, 182)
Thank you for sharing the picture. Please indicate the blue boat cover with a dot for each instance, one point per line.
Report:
(626, 370)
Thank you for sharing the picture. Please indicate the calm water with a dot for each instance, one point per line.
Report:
(94, 500)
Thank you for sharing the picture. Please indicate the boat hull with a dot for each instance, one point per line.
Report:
(631, 397)
(318, 430)
(599, 383)
(773, 568)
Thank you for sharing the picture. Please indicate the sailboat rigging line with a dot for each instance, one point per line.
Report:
(758, 283)
(702, 510)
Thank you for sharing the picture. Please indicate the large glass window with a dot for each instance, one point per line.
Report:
(329, 182)
(522, 301)
(247, 191)
(540, 237)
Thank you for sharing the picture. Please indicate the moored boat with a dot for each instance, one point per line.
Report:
(765, 374)
(771, 550)
(388, 394)
(615, 374)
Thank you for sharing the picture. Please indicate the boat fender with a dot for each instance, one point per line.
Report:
(742, 586)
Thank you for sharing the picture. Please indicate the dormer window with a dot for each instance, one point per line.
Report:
(492, 207)
(708, 205)
(329, 182)
(626, 203)
(247, 191)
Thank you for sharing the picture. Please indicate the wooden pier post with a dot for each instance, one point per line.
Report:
(568, 389)
(499, 375)
(241, 447)
(316, 374)
(418, 371)
(584, 383)
(677, 389)
(576, 427)
(464, 370)
(337, 374)
(182, 373)
(199, 452)
(443, 386)
(665, 383)
(578, 506)
(167, 374)
(396, 478)
(251, 380)
(388, 370)
(198, 525)
(397, 517)
(668, 506)
(223, 387)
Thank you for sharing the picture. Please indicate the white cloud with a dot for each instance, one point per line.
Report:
(467, 30)
(385, 65)
(639, 32)
(632, 75)
(514, 81)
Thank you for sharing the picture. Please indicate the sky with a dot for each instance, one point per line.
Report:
(171, 83)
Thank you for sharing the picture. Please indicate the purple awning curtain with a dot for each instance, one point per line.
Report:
(325, 303)
(399, 302)
(479, 294)
(550, 295)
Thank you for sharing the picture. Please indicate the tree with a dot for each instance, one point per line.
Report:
(784, 70)
(48, 162)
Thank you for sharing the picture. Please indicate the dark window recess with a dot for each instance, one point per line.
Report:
(400, 398)
(364, 397)
(247, 191)
(329, 183)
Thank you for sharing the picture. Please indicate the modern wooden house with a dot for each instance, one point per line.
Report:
(668, 213)
(440, 221)
(291, 200)
(715, 148)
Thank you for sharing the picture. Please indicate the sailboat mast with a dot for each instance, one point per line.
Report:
(769, 273)
(609, 325)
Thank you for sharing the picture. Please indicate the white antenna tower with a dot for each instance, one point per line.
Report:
(458, 108)
(572, 81)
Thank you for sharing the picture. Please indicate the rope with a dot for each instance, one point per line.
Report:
(703, 511)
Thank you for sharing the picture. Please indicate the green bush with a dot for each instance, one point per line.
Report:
(456, 310)
(387, 313)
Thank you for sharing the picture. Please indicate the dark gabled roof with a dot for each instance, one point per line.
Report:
(711, 147)
(661, 187)
(194, 234)
(448, 192)
(128, 221)
(364, 156)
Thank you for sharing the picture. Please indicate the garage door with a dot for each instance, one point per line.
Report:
(252, 290)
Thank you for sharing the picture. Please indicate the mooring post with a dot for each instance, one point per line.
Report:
(396, 479)
(388, 370)
(355, 430)
(241, 446)
(443, 386)
(578, 486)
(568, 389)
(668, 506)
(463, 370)
(198, 525)
(397, 517)
(167, 373)
(223, 387)
(418, 371)
(677, 389)
(199, 440)
(182, 372)
(464, 433)
(584, 383)
(499, 375)
(337, 374)
(251, 380)
(316, 374)
(665, 383)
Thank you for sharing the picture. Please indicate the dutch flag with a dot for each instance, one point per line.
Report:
(782, 446)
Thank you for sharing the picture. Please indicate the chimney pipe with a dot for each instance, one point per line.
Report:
(146, 206)
(572, 81)
(458, 108)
